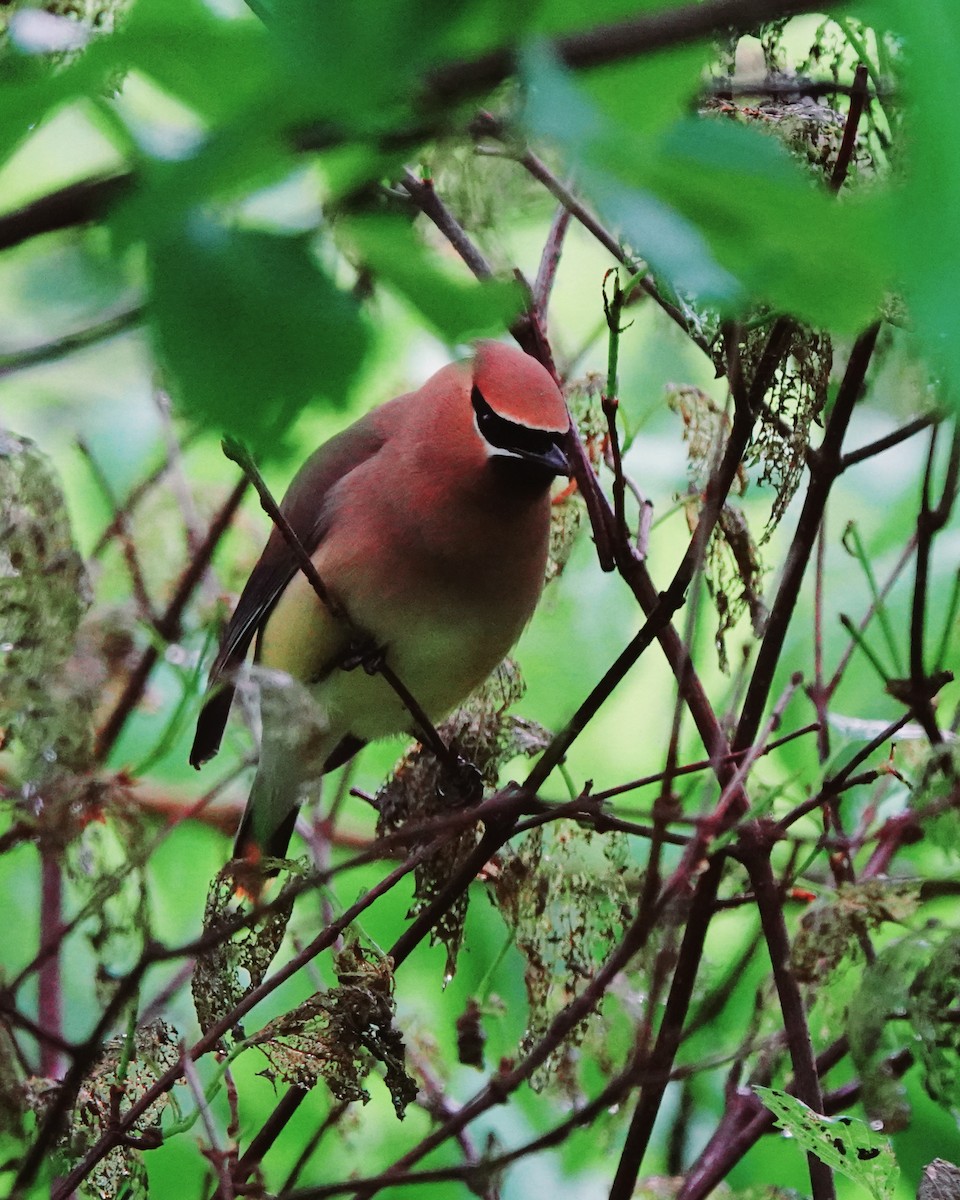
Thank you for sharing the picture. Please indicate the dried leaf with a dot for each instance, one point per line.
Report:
(44, 592)
(567, 514)
(732, 566)
(830, 930)
(706, 427)
(107, 866)
(937, 793)
(568, 510)
(471, 1037)
(125, 1070)
(941, 1181)
(338, 1035)
(792, 405)
(237, 963)
(876, 1029)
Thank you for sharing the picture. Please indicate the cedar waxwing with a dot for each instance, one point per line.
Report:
(428, 521)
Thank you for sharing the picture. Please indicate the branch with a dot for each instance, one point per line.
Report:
(89, 200)
(930, 521)
(549, 262)
(828, 467)
(19, 360)
(889, 441)
(77, 204)
(858, 98)
(486, 125)
(756, 844)
(612, 43)
(471, 1173)
(422, 193)
(66, 1186)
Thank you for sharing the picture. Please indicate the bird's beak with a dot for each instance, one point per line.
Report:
(554, 460)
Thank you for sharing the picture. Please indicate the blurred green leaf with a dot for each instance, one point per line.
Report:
(644, 100)
(927, 241)
(720, 210)
(456, 308)
(30, 93)
(229, 61)
(931, 1009)
(360, 64)
(598, 152)
(249, 328)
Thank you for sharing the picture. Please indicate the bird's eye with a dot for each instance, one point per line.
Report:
(508, 435)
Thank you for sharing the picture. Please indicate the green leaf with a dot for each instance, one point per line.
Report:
(456, 308)
(559, 112)
(720, 210)
(927, 241)
(215, 66)
(360, 64)
(31, 93)
(843, 1143)
(249, 328)
(788, 241)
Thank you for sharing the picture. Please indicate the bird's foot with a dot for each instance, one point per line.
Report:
(364, 653)
(461, 783)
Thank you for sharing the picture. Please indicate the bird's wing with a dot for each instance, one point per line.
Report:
(306, 509)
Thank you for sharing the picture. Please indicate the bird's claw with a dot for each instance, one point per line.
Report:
(461, 783)
(365, 654)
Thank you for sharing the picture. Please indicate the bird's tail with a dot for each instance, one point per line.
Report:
(293, 749)
(271, 813)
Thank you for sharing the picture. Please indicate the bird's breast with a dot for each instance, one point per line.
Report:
(447, 601)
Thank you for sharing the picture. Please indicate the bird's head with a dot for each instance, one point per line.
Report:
(518, 412)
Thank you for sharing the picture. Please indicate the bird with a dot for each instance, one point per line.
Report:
(428, 521)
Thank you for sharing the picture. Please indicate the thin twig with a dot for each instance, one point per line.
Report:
(756, 843)
(422, 192)
(703, 765)
(218, 1154)
(930, 521)
(882, 594)
(611, 43)
(858, 96)
(124, 533)
(49, 990)
(798, 556)
(550, 261)
(890, 440)
(19, 360)
(264, 1138)
(536, 167)
(68, 1184)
